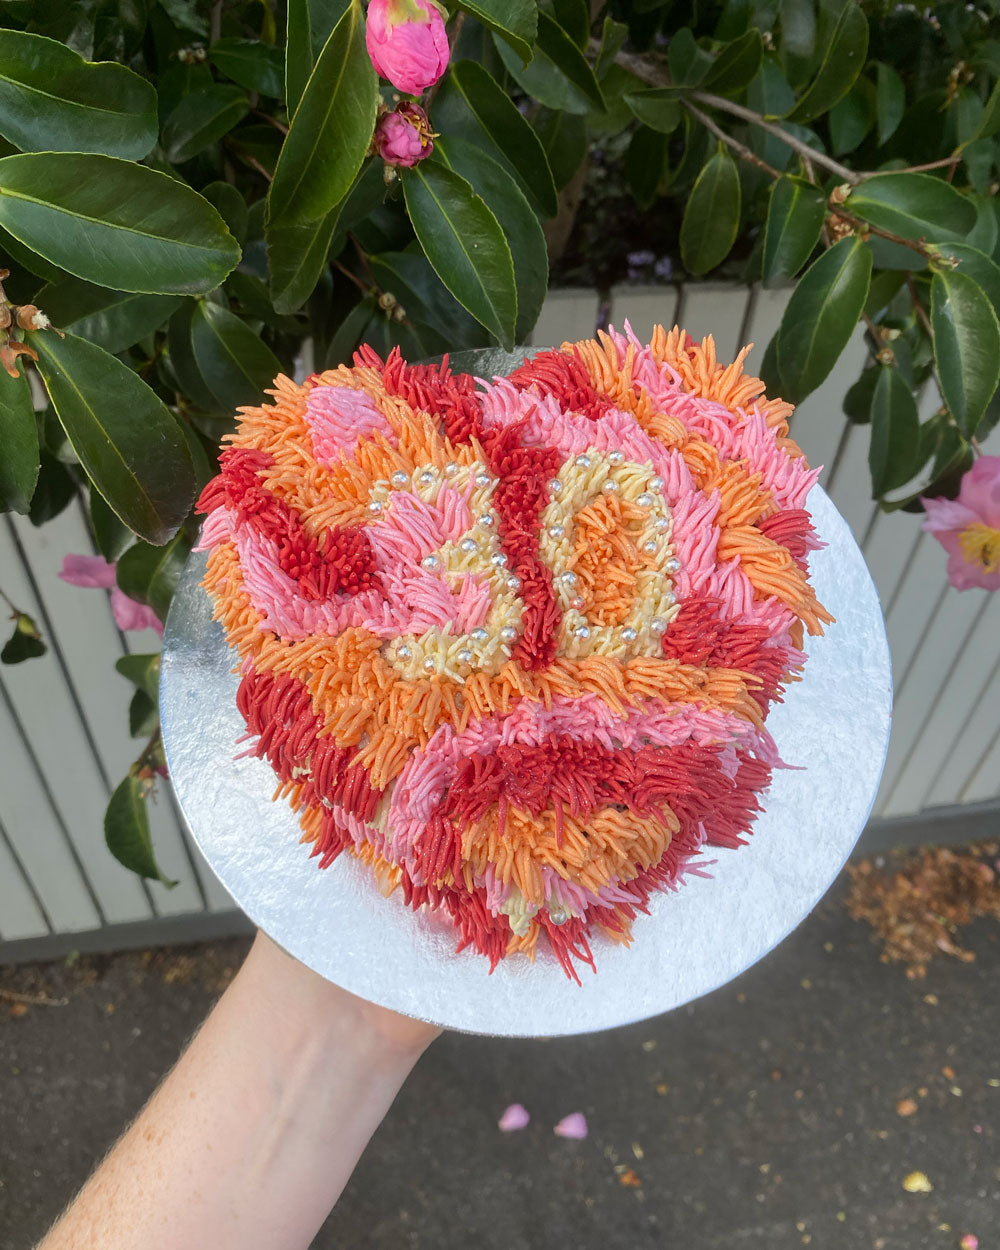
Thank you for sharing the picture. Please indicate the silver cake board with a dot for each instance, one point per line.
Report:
(833, 727)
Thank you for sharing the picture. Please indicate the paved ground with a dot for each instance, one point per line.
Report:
(762, 1117)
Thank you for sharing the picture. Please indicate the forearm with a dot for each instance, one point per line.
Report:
(253, 1135)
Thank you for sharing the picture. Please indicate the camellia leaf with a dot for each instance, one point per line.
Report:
(895, 439)
(689, 63)
(310, 24)
(520, 225)
(736, 65)
(331, 130)
(465, 244)
(234, 362)
(52, 100)
(113, 320)
(515, 21)
(890, 101)
(424, 297)
(18, 444)
(126, 831)
(977, 265)
(770, 95)
(966, 346)
(25, 643)
(644, 159)
(114, 223)
(842, 63)
(232, 207)
(143, 671)
(915, 206)
(255, 65)
(658, 108)
(125, 437)
(857, 402)
(795, 218)
(505, 126)
(712, 215)
(821, 316)
(150, 574)
(564, 138)
(546, 78)
(201, 119)
(563, 52)
(54, 491)
(989, 123)
(296, 256)
(143, 715)
(110, 534)
(574, 17)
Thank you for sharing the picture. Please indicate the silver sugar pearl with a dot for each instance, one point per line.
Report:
(426, 478)
(480, 635)
(629, 634)
(661, 523)
(513, 581)
(568, 578)
(430, 664)
(615, 457)
(650, 546)
(656, 483)
(671, 598)
(645, 500)
(577, 603)
(498, 560)
(557, 531)
(403, 652)
(508, 633)
(464, 656)
(399, 478)
(673, 565)
(450, 469)
(374, 507)
(469, 544)
(583, 462)
(430, 562)
(555, 486)
(486, 520)
(483, 479)
(657, 625)
(582, 631)
(558, 915)
(610, 487)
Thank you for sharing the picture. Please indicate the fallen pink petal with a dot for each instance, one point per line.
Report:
(514, 1118)
(573, 1126)
(969, 1242)
(96, 573)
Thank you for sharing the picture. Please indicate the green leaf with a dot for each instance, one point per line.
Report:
(52, 100)
(770, 95)
(852, 118)
(857, 404)
(574, 17)
(895, 440)
(126, 831)
(110, 534)
(546, 77)
(966, 346)
(795, 218)
(234, 362)
(150, 574)
(19, 444)
(143, 671)
(425, 298)
(499, 118)
(296, 256)
(331, 129)
(182, 361)
(201, 119)
(232, 207)
(255, 65)
(564, 138)
(143, 716)
(736, 65)
(348, 334)
(644, 160)
(798, 31)
(989, 123)
(114, 320)
(25, 643)
(977, 265)
(465, 244)
(113, 223)
(688, 62)
(658, 108)
(821, 315)
(712, 215)
(884, 286)
(890, 101)
(915, 206)
(520, 225)
(310, 24)
(55, 490)
(125, 437)
(515, 21)
(842, 63)
(613, 36)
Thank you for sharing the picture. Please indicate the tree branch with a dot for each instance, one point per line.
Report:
(739, 148)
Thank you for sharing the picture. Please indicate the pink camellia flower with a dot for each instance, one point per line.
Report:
(969, 527)
(97, 572)
(403, 136)
(407, 42)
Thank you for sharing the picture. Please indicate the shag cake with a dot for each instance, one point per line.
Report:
(513, 643)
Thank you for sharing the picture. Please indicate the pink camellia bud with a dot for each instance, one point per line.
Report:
(404, 136)
(407, 42)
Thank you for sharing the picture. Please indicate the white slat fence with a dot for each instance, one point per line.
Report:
(63, 727)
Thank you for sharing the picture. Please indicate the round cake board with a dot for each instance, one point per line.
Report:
(833, 728)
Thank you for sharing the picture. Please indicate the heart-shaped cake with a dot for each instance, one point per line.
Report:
(513, 643)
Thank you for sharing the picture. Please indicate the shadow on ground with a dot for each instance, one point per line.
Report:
(762, 1117)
